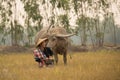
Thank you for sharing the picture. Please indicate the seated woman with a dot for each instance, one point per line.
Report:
(43, 55)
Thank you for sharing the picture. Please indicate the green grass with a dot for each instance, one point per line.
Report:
(102, 65)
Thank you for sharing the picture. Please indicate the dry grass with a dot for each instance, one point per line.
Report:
(102, 65)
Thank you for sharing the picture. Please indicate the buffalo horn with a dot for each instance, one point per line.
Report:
(63, 35)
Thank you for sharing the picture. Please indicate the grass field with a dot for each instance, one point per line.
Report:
(101, 65)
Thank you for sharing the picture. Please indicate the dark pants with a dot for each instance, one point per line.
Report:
(38, 59)
(47, 62)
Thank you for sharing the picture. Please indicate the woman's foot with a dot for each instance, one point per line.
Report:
(40, 65)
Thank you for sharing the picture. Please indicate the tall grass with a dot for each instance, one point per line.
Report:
(102, 65)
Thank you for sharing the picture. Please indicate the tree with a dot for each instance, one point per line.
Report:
(60, 4)
(10, 24)
(80, 9)
(33, 15)
(100, 30)
(64, 20)
(2, 23)
(16, 29)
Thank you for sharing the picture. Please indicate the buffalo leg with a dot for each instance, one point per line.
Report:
(65, 58)
(56, 58)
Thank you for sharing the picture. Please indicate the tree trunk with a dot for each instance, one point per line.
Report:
(16, 33)
(97, 33)
(12, 34)
(83, 27)
(114, 33)
(91, 36)
(28, 25)
(15, 27)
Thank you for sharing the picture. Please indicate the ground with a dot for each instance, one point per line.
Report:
(99, 65)
(15, 49)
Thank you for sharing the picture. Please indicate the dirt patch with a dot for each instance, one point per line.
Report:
(10, 49)
(78, 49)
(74, 48)
(22, 49)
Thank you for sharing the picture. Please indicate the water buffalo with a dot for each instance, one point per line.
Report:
(58, 41)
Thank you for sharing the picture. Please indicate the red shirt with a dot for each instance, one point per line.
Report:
(38, 53)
